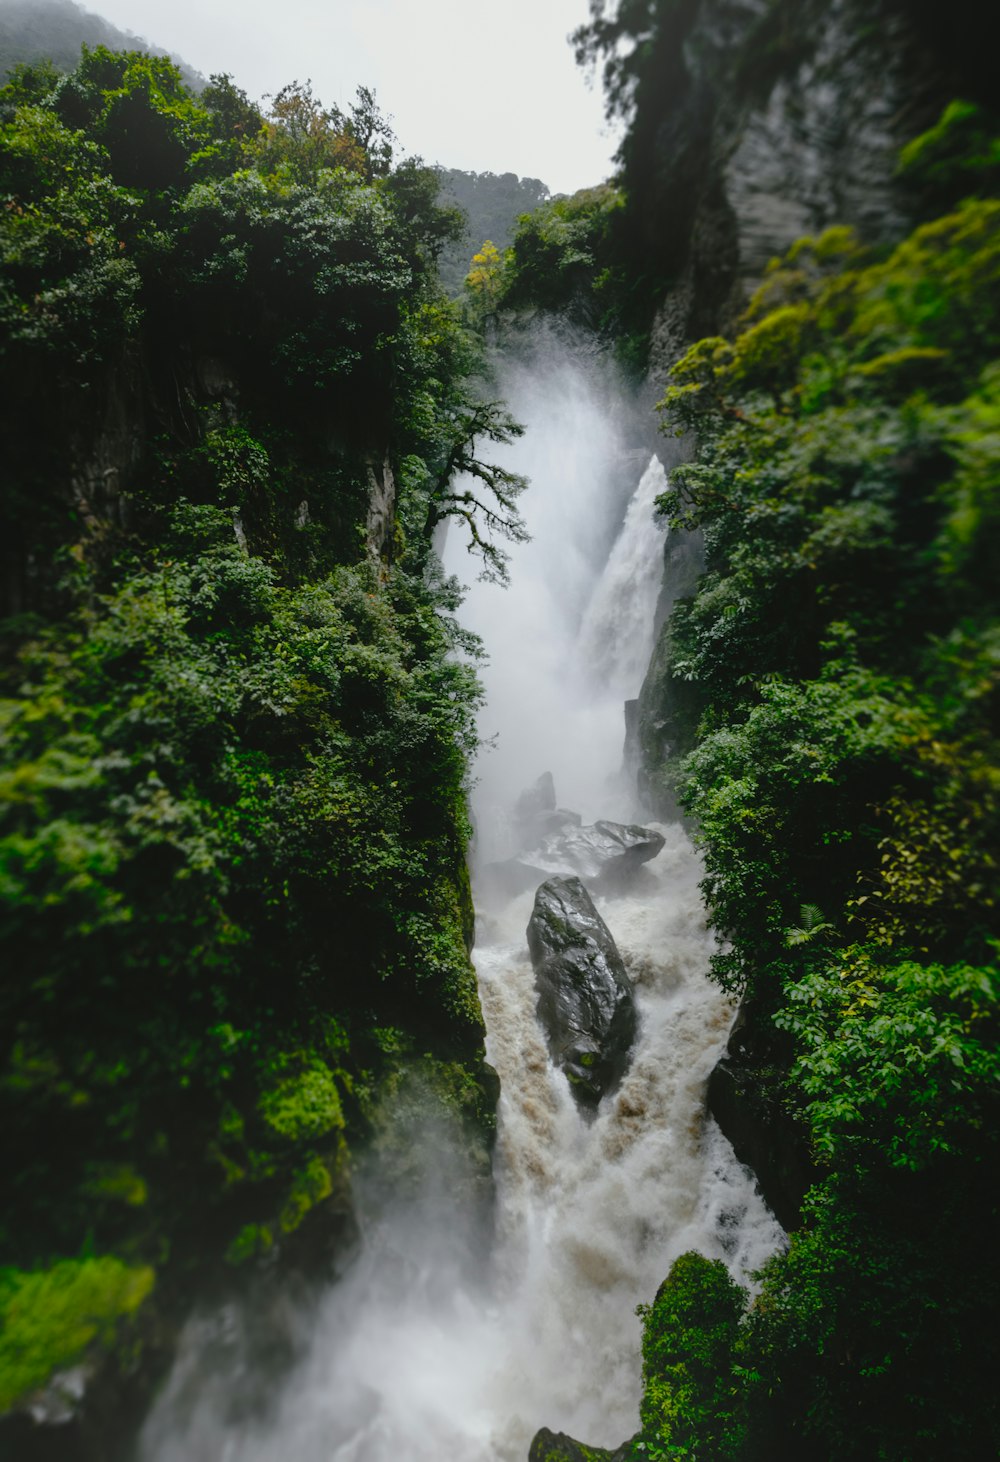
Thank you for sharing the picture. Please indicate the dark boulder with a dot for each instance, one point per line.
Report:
(745, 1098)
(608, 855)
(585, 1000)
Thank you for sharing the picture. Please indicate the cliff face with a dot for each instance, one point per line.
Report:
(783, 120)
(80, 459)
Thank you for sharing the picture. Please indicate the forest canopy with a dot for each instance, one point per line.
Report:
(829, 722)
(236, 732)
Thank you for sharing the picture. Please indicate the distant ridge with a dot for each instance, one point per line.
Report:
(36, 30)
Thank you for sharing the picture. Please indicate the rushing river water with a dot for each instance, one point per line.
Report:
(435, 1345)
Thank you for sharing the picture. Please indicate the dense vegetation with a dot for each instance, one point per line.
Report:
(833, 694)
(492, 203)
(54, 30)
(236, 735)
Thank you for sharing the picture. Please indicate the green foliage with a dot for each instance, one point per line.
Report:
(490, 205)
(311, 1184)
(832, 691)
(690, 1407)
(484, 280)
(49, 1318)
(559, 250)
(565, 258)
(236, 731)
(960, 154)
(903, 1059)
(301, 139)
(304, 1103)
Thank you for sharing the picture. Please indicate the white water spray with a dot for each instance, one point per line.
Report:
(616, 635)
(426, 1350)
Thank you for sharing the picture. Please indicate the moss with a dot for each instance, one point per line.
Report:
(303, 1104)
(118, 1182)
(310, 1186)
(51, 1317)
(253, 1240)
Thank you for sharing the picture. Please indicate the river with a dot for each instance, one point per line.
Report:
(445, 1339)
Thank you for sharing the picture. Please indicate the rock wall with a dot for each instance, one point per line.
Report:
(787, 118)
(784, 119)
(77, 456)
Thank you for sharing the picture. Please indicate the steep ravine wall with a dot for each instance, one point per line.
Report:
(781, 119)
(788, 119)
(78, 468)
(78, 460)
(785, 119)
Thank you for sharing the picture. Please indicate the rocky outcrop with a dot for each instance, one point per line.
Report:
(606, 855)
(782, 120)
(554, 841)
(744, 1098)
(536, 815)
(380, 521)
(549, 1446)
(585, 999)
(604, 852)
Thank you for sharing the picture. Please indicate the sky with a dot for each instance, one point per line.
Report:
(484, 88)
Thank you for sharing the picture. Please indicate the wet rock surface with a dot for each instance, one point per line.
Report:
(765, 1136)
(585, 999)
(553, 840)
(605, 853)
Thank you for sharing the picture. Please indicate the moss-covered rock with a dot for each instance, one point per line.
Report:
(50, 1319)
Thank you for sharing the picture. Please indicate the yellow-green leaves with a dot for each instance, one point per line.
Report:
(49, 1318)
(302, 1104)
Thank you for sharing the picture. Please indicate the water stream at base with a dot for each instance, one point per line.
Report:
(429, 1347)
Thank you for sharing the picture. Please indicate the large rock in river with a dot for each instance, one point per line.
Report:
(608, 856)
(606, 850)
(585, 999)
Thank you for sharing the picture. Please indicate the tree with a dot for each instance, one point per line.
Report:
(488, 516)
(484, 280)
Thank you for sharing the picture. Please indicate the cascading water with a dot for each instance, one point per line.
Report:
(427, 1348)
(616, 634)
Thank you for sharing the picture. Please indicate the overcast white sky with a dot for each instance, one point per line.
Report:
(482, 87)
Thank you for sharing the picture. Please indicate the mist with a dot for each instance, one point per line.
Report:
(451, 1334)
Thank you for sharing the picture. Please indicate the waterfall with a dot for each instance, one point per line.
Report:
(617, 632)
(430, 1347)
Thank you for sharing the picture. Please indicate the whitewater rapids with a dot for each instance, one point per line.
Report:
(436, 1344)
